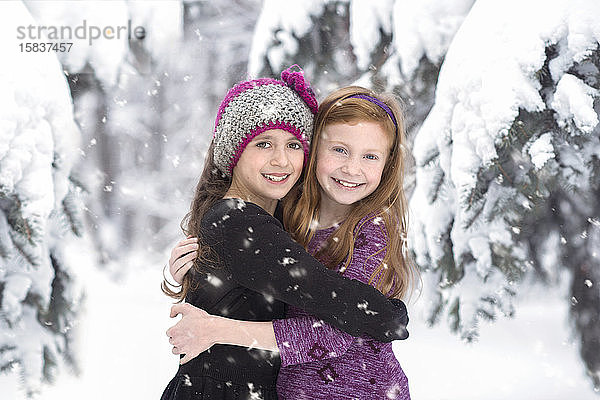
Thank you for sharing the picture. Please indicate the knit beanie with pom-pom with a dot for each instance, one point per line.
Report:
(253, 107)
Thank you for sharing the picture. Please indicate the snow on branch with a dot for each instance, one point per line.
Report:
(507, 101)
(38, 146)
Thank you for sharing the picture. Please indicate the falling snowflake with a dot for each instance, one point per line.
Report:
(394, 391)
(254, 394)
(297, 272)
(314, 225)
(269, 298)
(287, 261)
(213, 280)
(364, 306)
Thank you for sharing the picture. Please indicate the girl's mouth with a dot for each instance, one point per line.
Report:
(276, 178)
(346, 184)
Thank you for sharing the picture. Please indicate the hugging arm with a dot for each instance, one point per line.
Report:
(261, 256)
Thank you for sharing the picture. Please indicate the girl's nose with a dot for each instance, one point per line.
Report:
(351, 167)
(280, 158)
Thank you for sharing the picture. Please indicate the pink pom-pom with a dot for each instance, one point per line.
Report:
(294, 78)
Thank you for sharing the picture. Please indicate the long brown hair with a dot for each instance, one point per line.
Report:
(212, 186)
(396, 273)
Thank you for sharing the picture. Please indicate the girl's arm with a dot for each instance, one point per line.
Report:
(305, 338)
(198, 331)
(261, 256)
(300, 339)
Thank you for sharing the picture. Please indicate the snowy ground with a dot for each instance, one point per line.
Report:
(126, 354)
(532, 356)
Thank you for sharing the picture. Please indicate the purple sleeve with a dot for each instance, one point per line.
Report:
(305, 339)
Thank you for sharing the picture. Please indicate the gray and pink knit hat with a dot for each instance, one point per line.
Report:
(255, 106)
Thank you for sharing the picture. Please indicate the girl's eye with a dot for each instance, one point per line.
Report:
(340, 150)
(371, 157)
(263, 145)
(295, 146)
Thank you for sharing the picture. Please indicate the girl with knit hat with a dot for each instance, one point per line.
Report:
(245, 266)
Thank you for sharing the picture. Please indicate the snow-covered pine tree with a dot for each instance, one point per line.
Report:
(508, 166)
(508, 151)
(562, 179)
(40, 210)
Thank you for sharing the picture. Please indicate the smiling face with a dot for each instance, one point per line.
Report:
(350, 161)
(268, 168)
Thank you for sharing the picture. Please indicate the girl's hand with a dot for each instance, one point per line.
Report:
(182, 258)
(192, 334)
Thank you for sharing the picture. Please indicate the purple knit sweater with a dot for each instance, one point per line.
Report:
(322, 362)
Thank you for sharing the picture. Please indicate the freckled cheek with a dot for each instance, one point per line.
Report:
(323, 172)
(327, 162)
(374, 175)
(325, 167)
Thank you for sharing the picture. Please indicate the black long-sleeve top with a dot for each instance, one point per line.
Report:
(258, 269)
